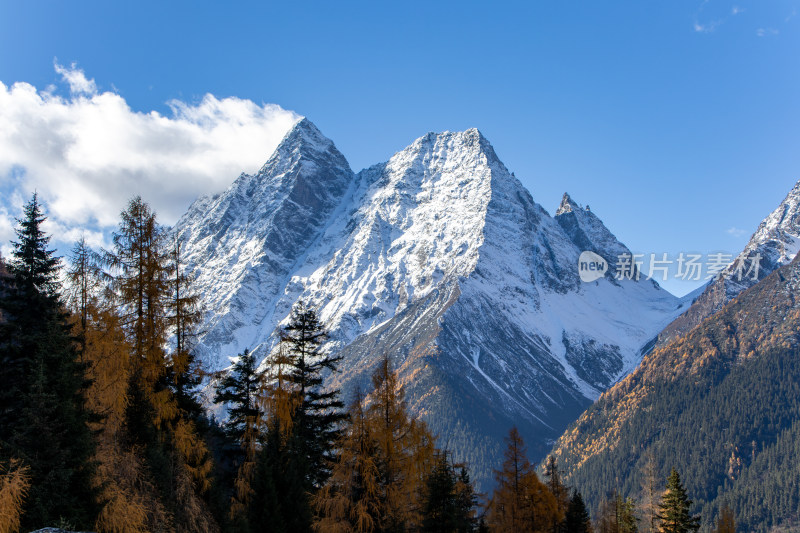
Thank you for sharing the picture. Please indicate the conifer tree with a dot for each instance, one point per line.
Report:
(351, 499)
(184, 372)
(43, 415)
(608, 519)
(177, 458)
(318, 412)
(557, 488)
(304, 424)
(466, 501)
(674, 510)
(726, 523)
(14, 485)
(626, 514)
(520, 502)
(577, 518)
(440, 507)
(650, 496)
(85, 278)
(405, 451)
(239, 389)
(448, 505)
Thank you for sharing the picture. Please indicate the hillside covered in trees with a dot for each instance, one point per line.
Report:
(721, 404)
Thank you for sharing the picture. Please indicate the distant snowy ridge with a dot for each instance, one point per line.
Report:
(775, 243)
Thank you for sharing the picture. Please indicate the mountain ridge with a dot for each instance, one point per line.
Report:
(439, 257)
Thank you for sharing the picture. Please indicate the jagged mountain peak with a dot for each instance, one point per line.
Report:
(567, 205)
(306, 146)
(588, 232)
(775, 242)
(778, 235)
(470, 141)
(306, 133)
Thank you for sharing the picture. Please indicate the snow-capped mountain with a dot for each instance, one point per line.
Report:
(774, 244)
(439, 258)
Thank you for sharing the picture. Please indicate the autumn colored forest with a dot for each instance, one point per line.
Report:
(105, 426)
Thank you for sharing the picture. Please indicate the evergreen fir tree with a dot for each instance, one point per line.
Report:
(440, 506)
(304, 424)
(319, 413)
(466, 502)
(674, 509)
(43, 414)
(626, 515)
(577, 518)
(449, 502)
(239, 390)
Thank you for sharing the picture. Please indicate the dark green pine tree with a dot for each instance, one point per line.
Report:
(42, 408)
(466, 501)
(577, 518)
(448, 506)
(293, 468)
(239, 390)
(316, 424)
(626, 514)
(440, 506)
(674, 509)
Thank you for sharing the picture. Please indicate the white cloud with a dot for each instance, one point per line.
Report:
(88, 153)
(764, 32)
(736, 232)
(736, 10)
(707, 27)
(78, 83)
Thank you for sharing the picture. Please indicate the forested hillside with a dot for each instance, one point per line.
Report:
(721, 404)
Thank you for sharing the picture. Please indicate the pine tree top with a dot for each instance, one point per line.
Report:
(34, 265)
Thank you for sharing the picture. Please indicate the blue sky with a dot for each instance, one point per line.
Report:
(677, 121)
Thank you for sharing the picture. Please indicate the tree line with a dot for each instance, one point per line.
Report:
(102, 426)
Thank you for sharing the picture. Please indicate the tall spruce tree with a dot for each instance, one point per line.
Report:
(554, 482)
(43, 414)
(440, 507)
(239, 390)
(448, 504)
(674, 510)
(319, 412)
(304, 426)
(577, 519)
(626, 514)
